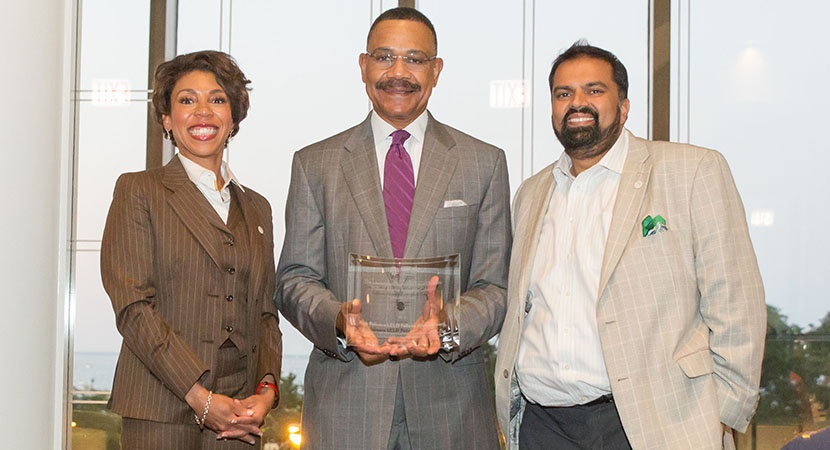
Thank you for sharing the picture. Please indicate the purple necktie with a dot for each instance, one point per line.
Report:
(398, 191)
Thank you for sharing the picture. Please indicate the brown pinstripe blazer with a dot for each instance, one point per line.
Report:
(334, 207)
(680, 314)
(160, 266)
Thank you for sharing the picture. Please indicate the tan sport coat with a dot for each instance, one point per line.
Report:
(162, 266)
(334, 207)
(681, 313)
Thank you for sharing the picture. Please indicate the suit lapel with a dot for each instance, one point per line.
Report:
(530, 227)
(437, 166)
(192, 208)
(254, 226)
(250, 215)
(632, 191)
(360, 169)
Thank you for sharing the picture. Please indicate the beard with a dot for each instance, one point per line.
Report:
(590, 141)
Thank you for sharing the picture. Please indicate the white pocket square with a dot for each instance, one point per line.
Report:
(454, 203)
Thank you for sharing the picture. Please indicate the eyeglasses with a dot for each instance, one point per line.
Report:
(385, 59)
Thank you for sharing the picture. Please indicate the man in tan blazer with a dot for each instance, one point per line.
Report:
(636, 313)
(335, 207)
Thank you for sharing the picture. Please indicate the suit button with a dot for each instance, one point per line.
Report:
(253, 349)
(230, 241)
(401, 306)
(231, 270)
(505, 373)
(229, 298)
(229, 329)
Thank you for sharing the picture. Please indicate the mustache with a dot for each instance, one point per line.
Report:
(581, 110)
(397, 84)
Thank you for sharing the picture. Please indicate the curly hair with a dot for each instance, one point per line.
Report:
(221, 65)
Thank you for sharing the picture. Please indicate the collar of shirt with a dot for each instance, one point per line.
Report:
(205, 181)
(613, 160)
(381, 131)
(204, 177)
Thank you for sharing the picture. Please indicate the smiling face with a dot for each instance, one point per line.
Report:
(400, 93)
(587, 112)
(200, 118)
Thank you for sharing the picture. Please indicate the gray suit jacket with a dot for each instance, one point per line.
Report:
(335, 207)
(681, 313)
(163, 268)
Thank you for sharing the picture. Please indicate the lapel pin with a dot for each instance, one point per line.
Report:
(259, 228)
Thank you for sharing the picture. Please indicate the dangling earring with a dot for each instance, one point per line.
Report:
(168, 134)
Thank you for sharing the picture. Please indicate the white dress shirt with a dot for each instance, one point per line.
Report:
(560, 361)
(205, 181)
(382, 133)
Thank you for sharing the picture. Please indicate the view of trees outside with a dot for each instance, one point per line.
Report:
(795, 379)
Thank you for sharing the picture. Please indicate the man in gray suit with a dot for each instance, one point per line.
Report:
(424, 395)
(636, 313)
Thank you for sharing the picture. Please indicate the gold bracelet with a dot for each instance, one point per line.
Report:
(201, 423)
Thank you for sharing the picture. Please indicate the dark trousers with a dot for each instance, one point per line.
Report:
(590, 427)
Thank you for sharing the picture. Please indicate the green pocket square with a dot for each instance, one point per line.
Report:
(653, 225)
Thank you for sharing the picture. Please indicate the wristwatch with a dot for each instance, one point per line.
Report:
(448, 335)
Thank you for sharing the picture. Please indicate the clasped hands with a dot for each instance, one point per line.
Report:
(232, 418)
(421, 341)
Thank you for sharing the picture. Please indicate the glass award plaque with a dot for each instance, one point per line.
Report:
(397, 295)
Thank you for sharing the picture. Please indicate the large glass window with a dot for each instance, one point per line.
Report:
(112, 123)
(496, 64)
(729, 64)
(306, 87)
(750, 73)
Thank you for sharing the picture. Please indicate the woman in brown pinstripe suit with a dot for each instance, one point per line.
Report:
(187, 259)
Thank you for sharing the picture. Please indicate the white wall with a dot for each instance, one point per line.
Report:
(34, 124)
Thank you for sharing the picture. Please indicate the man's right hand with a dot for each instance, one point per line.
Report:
(359, 336)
